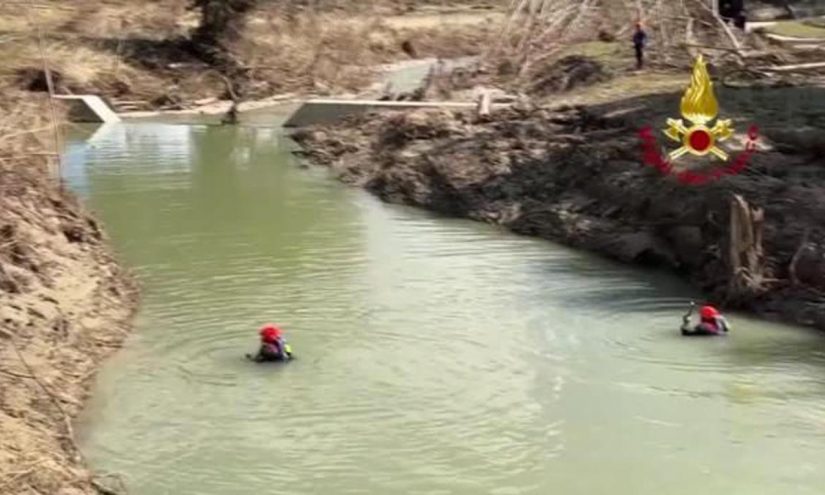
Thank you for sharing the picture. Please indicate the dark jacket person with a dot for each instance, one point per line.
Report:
(639, 42)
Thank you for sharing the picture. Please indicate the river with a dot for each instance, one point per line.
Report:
(435, 356)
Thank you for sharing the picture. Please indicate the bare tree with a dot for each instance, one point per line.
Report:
(222, 22)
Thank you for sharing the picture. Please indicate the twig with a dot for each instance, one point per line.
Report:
(506, 28)
(724, 26)
(16, 375)
(231, 116)
(66, 420)
(689, 37)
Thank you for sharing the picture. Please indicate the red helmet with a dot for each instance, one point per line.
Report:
(270, 332)
(708, 312)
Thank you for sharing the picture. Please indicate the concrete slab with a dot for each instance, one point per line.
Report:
(89, 108)
(313, 112)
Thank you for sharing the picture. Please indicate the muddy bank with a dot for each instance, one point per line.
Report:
(64, 306)
(576, 175)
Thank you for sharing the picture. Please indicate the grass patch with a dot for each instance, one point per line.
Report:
(797, 29)
(627, 86)
(612, 55)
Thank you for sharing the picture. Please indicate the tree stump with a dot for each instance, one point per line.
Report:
(746, 260)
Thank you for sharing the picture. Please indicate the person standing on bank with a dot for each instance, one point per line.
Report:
(639, 42)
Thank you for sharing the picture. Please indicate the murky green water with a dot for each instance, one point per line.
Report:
(435, 356)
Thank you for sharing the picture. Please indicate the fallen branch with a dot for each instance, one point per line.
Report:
(724, 26)
(793, 67)
(689, 38)
(16, 375)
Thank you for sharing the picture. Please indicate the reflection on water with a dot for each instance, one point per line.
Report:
(435, 355)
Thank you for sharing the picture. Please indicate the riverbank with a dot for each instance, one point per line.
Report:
(65, 305)
(65, 302)
(575, 174)
(144, 59)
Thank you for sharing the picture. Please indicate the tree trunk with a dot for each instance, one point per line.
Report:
(221, 23)
(745, 256)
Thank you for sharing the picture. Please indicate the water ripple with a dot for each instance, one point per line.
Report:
(434, 355)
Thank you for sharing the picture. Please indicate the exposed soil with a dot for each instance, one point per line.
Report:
(64, 306)
(576, 175)
(567, 73)
(144, 58)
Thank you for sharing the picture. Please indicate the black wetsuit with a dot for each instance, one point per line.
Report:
(271, 352)
(705, 328)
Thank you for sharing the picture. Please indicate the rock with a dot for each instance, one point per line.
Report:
(639, 247)
(810, 266)
(408, 48)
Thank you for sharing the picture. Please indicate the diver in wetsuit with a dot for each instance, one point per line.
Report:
(711, 322)
(273, 346)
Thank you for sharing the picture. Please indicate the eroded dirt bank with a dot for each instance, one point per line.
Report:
(576, 175)
(64, 306)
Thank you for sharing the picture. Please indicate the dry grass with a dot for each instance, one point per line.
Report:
(27, 137)
(80, 66)
(625, 87)
(328, 54)
(134, 55)
(16, 16)
(103, 19)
